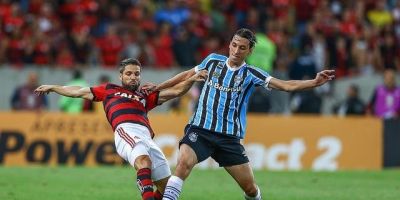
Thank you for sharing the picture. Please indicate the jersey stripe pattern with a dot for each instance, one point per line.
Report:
(223, 100)
(124, 106)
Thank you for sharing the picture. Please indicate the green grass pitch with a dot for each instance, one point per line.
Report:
(86, 183)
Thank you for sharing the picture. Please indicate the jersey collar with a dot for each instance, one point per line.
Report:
(234, 69)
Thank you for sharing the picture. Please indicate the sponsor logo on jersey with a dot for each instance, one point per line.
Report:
(131, 96)
(223, 88)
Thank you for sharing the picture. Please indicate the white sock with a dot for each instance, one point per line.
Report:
(257, 197)
(173, 188)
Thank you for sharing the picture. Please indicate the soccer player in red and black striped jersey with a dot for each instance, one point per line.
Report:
(126, 109)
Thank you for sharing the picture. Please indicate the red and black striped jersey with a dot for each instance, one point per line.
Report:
(124, 106)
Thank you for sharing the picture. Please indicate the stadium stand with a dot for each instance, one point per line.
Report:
(357, 38)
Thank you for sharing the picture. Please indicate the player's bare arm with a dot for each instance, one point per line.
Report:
(181, 88)
(294, 85)
(148, 87)
(176, 79)
(68, 91)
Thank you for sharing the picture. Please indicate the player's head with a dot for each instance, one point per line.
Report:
(241, 45)
(129, 73)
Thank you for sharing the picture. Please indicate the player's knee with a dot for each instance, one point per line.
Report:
(142, 162)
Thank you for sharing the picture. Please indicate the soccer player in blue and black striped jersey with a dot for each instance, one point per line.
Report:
(219, 122)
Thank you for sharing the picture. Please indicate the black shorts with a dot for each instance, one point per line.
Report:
(224, 149)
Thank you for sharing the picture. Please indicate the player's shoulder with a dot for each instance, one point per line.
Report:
(215, 56)
(253, 69)
(256, 72)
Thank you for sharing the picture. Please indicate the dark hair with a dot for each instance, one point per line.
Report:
(248, 34)
(126, 62)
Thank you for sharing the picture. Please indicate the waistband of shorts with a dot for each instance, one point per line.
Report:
(210, 132)
(137, 126)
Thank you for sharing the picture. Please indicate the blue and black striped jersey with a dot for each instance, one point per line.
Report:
(223, 100)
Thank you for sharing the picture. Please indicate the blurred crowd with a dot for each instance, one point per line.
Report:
(296, 38)
(354, 37)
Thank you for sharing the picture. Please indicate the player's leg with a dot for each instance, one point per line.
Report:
(135, 151)
(142, 162)
(187, 159)
(143, 173)
(231, 155)
(193, 148)
(243, 175)
(160, 184)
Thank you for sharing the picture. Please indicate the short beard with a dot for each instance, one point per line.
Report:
(132, 88)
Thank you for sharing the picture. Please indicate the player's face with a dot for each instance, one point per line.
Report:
(239, 49)
(130, 77)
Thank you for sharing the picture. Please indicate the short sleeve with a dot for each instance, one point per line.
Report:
(99, 92)
(203, 64)
(260, 77)
(152, 100)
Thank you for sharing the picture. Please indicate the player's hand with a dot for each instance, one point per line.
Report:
(148, 87)
(200, 76)
(324, 76)
(43, 89)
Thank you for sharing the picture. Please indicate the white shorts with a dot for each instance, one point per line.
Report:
(134, 140)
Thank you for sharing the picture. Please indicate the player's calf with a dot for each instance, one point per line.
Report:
(254, 195)
(145, 184)
(158, 195)
(144, 181)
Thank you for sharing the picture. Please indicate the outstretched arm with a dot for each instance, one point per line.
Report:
(176, 79)
(68, 91)
(294, 85)
(181, 88)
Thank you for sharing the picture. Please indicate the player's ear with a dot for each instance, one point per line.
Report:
(120, 76)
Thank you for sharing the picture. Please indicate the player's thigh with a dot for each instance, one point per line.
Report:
(194, 147)
(129, 147)
(243, 175)
(187, 155)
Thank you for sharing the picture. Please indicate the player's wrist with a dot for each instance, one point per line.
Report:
(157, 88)
(314, 82)
(53, 88)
